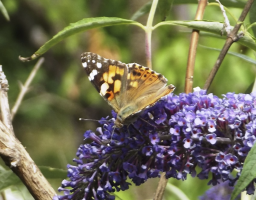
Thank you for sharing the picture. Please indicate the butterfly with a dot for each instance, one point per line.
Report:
(128, 88)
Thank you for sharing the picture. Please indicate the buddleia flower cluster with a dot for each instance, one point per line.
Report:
(176, 135)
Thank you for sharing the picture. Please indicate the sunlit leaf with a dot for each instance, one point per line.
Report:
(252, 87)
(82, 25)
(248, 173)
(176, 191)
(4, 11)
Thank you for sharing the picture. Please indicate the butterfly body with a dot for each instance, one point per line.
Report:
(128, 88)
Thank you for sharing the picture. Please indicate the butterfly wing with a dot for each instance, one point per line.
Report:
(144, 88)
(107, 76)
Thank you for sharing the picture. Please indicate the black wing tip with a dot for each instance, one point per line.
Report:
(171, 87)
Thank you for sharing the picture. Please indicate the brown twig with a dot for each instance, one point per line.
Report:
(188, 82)
(232, 37)
(14, 154)
(161, 187)
(192, 49)
(24, 88)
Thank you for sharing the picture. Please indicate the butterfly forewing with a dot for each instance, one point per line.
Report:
(107, 77)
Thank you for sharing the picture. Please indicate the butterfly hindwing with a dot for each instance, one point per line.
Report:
(144, 88)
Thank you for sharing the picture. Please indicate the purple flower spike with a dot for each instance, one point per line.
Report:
(179, 133)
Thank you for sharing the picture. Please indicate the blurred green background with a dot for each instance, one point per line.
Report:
(47, 121)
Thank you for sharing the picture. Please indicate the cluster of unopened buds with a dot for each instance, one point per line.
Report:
(176, 135)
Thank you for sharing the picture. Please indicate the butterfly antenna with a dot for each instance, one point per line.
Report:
(152, 124)
(95, 120)
(114, 128)
(147, 122)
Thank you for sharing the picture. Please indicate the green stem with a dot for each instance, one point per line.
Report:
(148, 31)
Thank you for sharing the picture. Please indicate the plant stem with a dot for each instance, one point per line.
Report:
(15, 155)
(25, 87)
(192, 49)
(148, 32)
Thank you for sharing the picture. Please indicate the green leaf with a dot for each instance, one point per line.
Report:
(176, 191)
(227, 3)
(248, 172)
(163, 8)
(142, 11)
(7, 178)
(4, 11)
(212, 27)
(239, 55)
(53, 173)
(82, 25)
(253, 17)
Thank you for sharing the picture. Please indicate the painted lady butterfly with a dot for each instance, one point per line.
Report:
(128, 88)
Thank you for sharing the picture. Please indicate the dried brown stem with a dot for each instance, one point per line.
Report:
(24, 88)
(14, 154)
(192, 49)
(161, 187)
(188, 82)
(232, 37)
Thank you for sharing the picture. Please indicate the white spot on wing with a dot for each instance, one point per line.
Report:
(93, 61)
(93, 74)
(84, 64)
(99, 65)
(103, 88)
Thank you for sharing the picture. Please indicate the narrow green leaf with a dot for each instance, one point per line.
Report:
(248, 172)
(7, 178)
(53, 173)
(239, 55)
(253, 17)
(142, 11)
(227, 3)
(176, 191)
(212, 27)
(4, 11)
(163, 8)
(82, 25)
